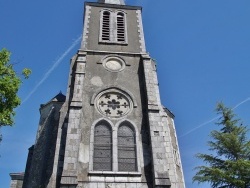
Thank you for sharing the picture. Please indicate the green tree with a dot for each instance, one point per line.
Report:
(229, 165)
(10, 82)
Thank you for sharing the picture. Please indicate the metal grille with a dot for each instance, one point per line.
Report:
(102, 147)
(126, 149)
(106, 26)
(120, 27)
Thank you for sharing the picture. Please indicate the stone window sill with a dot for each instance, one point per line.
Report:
(114, 42)
(107, 173)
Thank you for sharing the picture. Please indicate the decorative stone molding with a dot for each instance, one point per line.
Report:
(113, 63)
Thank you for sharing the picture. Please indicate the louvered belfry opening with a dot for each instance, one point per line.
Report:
(106, 26)
(120, 27)
(102, 147)
(126, 149)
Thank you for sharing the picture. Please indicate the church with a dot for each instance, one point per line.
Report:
(110, 130)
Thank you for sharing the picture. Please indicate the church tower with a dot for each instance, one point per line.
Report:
(111, 130)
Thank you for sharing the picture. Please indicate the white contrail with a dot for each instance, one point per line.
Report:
(56, 63)
(199, 126)
(242, 102)
(213, 119)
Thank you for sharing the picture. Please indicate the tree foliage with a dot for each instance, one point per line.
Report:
(229, 165)
(10, 82)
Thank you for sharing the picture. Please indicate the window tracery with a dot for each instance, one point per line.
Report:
(113, 104)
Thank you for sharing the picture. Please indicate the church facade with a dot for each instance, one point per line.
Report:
(110, 130)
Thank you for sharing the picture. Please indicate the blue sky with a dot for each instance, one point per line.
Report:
(202, 49)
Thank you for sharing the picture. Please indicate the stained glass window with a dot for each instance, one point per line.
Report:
(126, 148)
(102, 147)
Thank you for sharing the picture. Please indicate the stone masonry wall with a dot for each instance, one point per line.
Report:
(43, 154)
(164, 164)
(16, 184)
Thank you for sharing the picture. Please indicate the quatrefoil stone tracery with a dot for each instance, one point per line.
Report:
(113, 104)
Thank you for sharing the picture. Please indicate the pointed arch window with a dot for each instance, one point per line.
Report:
(126, 148)
(113, 27)
(102, 160)
(114, 149)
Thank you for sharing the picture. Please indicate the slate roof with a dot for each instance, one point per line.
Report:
(58, 98)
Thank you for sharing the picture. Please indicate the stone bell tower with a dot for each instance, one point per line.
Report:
(111, 130)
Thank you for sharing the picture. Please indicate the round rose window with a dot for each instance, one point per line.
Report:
(113, 104)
